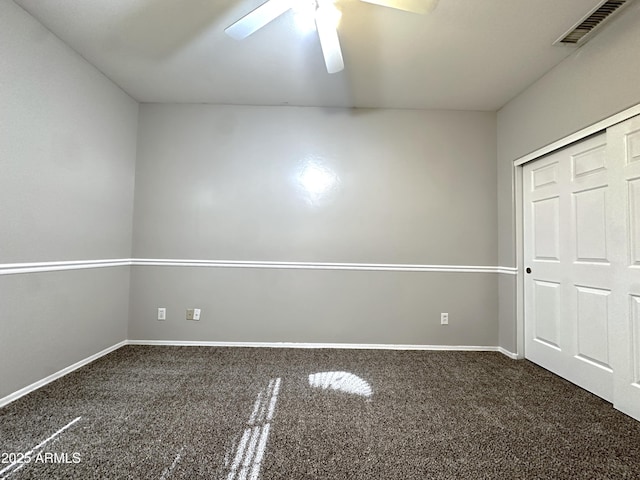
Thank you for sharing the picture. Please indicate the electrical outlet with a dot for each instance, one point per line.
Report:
(196, 314)
(189, 313)
(444, 319)
(162, 314)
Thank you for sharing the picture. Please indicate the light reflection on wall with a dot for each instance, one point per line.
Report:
(316, 180)
(249, 451)
(341, 381)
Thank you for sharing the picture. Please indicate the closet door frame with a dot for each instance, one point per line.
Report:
(518, 192)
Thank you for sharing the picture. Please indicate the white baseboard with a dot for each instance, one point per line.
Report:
(349, 346)
(509, 354)
(61, 373)
(186, 343)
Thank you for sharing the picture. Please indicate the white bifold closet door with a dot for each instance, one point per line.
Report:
(568, 233)
(623, 143)
(582, 254)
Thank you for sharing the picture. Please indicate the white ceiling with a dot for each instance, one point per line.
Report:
(466, 54)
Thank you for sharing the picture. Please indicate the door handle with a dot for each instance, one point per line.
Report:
(528, 270)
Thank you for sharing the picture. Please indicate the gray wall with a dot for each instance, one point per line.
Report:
(223, 183)
(67, 155)
(597, 81)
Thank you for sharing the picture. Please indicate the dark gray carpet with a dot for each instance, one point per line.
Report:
(234, 413)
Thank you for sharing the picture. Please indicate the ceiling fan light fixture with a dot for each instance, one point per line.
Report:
(304, 7)
(304, 15)
(330, 12)
(327, 18)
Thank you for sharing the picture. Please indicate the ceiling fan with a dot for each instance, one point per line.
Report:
(326, 16)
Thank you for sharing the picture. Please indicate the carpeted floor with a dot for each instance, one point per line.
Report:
(243, 413)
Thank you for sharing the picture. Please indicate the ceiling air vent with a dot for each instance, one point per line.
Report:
(583, 30)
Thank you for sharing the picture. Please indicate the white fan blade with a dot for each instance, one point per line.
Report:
(413, 6)
(258, 18)
(326, 24)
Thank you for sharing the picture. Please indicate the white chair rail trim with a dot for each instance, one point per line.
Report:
(38, 267)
